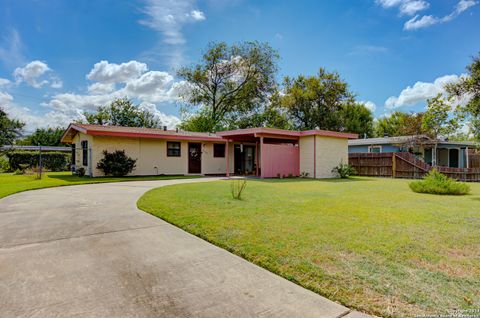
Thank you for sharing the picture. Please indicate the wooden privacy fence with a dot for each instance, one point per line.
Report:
(473, 158)
(404, 165)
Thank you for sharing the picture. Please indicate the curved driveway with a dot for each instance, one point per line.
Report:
(87, 251)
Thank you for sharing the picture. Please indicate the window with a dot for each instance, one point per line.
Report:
(219, 150)
(85, 152)
(173, 149)
(375, 149)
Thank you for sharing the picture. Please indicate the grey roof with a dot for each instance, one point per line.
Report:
(36, 148)
(402, 140)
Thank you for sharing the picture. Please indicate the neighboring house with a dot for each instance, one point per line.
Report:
(453, 154)
(264, 152)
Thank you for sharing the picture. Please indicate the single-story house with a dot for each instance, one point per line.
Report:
(263, 152)
(453, 154)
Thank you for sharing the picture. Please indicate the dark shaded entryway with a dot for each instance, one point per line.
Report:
(244, 159)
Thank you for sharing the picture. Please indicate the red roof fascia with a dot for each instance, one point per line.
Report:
(328, 133)
(151, 136)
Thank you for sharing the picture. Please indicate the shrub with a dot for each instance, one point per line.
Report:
(343, 170)
(237, 188)
(80, 172)
(116, 163)
(304, 174)
(54, 161)
(438, 183)
(4, 165)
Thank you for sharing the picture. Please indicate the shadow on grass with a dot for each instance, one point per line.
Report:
(476, 199)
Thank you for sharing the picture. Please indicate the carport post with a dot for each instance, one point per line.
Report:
(256, 158)
(262, 159)
(227, 154)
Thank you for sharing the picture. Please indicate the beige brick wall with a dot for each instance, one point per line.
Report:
(151, 155)
(306, 155)
(330, 151)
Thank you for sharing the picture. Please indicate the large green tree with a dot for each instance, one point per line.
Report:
(401, 124)
(316, 101)
(10, 129)
(469, 88)
(122, 112)
(229, 81)
(357, 118)
(438, 121)
(44, 136)
(390, 125)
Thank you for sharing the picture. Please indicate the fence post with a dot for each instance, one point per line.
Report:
(394, 165)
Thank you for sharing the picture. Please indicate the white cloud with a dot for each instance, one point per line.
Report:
(197, 15)
(105, 72)
(169, 16)
(413, 7)
(418, 22)
(420, 92)
(150, 89)
(101, 88)
(370, 105)
(405, 7)
(150, 85)
(4, 82)
(5, 98)
(31, 73)
(166, 120)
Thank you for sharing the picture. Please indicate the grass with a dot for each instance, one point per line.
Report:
(370, 244)
(10, 183)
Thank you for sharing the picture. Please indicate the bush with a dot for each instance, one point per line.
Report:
(54, 161)
(4, 165)
(80, 172)
(116, 163)
(343, 170)
(237, 188)
(438, 183)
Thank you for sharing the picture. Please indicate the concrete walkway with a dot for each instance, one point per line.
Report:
(87, 251)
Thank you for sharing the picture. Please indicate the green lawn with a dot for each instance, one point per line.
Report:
(371, 244)
(10, 183)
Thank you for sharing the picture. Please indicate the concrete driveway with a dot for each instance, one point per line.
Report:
(87, 251)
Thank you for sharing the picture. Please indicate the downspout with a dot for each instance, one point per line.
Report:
(315, 156)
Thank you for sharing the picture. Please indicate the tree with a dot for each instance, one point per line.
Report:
(356, 118)
(44, 136)
(316, 101)
(122, 112)
(438, 122)
(10, 129)
(469, 88)
(412, 125)
(229, 79)
(390, 125)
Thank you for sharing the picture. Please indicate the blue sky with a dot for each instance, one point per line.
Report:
(61, 58)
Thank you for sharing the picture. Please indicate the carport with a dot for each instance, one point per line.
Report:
(275, 152)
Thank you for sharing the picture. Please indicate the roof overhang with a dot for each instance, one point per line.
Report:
(70, 132)
(73, 129)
